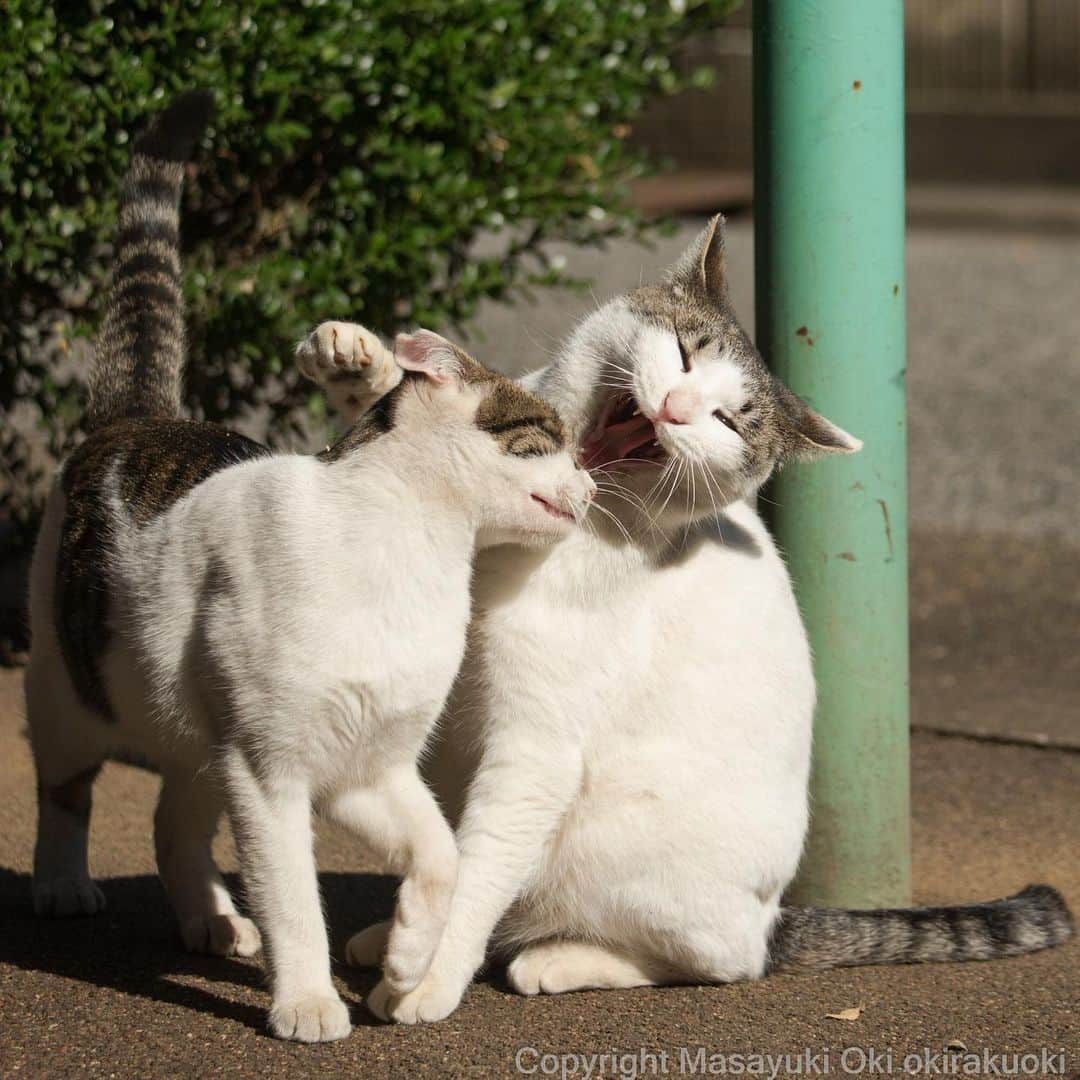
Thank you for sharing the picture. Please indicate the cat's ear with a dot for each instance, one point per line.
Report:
(701, 267)
(429, 354)
(810, 435)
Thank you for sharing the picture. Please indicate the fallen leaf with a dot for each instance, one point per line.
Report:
(955, 1046)
(846, 1014)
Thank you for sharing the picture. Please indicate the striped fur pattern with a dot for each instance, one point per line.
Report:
(807, 938)
(522, 424)
(139, 352)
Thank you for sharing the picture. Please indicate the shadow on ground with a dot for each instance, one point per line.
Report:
(133, 947)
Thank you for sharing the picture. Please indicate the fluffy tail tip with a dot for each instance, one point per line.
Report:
(175, 131)
(1053, 913)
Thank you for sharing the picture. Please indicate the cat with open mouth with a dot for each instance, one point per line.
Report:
(627, 748)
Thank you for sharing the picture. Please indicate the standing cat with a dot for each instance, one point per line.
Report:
(641, 700)
(271, 632)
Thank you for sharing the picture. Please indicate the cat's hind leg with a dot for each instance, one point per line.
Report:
(351, 364)
(559, 967)
(67, 757)
(62, 883)
(185, 822)
(367, 947)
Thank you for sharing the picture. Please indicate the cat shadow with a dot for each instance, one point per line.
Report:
(133, 945)
(719, 529)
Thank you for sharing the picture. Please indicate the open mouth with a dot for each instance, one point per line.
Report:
(622, 434)
(551, 508)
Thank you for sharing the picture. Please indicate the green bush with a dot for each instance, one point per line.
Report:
(358, 151)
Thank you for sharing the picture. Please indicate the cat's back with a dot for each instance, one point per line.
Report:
(122, 477)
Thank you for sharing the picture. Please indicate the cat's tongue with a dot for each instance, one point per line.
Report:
(607, 443)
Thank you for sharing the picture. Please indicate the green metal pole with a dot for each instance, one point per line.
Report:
(829, 214)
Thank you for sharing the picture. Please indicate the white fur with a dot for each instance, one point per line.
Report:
(284, 637)
(635, 718)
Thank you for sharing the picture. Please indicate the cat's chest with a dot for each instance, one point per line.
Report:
(637, 619)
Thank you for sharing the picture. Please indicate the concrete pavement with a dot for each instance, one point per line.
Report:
(115, 996)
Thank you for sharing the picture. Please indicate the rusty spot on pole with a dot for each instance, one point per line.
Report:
(801, 332)
(848, 555)
(896, 289)
(857, 84)
(888, 525)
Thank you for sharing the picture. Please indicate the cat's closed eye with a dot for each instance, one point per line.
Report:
(726, 420)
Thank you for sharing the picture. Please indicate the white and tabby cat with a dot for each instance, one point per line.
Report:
(271, 632)
(641, 698)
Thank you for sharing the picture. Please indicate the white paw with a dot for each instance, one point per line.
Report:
(341, 350)
(366, 947)
(409, 953)
(64, 897)
(558, 967)
(524, 972)
(221, 935)
(310, 1019)
(434, 999)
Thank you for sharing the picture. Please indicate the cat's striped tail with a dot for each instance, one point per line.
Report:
(139, 352)
(808, 938)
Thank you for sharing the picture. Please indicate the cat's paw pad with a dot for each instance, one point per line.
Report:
(66, 897)
(310, 1019)
(366, 947)
(434, 999)
(221, 935)
(336, 350)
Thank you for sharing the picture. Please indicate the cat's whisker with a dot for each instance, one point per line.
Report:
(707, 477)
(614, 520)
(549, 350)
(622, 492)
(678, 477)
(661, 479)
(632, 501)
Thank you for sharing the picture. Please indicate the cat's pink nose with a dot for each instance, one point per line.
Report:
(679, 406)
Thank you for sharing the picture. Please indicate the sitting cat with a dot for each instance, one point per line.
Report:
(271, 632)
(628, 745)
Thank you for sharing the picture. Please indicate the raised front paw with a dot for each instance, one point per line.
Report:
(316, 1018)
(434, 999)
(351, 364)
(337, 351)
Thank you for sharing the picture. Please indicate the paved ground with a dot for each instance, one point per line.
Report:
(115, 996)
(995, 610)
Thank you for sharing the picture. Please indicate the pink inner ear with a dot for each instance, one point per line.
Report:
(425, 352)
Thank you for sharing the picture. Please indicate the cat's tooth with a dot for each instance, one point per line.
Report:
(637, 412)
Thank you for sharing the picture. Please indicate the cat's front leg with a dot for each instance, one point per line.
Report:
(351, 364)
(522, 788)
(270, 812)
(400, 818)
